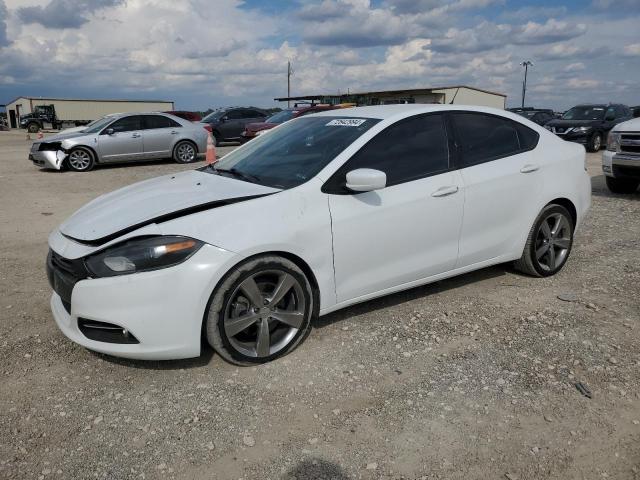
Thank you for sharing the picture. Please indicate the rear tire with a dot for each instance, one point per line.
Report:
(595, 142)
(81, 159)
(248, 322)
(548, 244)
(622, 185)
(33, 128)
(185, 152)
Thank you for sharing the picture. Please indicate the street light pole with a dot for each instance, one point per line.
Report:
(526, 64)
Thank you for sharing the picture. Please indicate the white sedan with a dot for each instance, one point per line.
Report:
(323, 212)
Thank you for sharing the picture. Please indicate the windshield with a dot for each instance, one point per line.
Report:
(584, 113)
(280, 117)
(213, 116)
(98, 125)
(294, 152)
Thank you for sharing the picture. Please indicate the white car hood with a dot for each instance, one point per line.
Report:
(152, 201)
(632, 125)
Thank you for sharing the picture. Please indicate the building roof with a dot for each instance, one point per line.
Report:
(414, 91)
(88, 100)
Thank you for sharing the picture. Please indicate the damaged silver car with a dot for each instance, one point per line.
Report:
(126, 137)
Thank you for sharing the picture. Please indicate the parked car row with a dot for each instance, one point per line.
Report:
(253, 130)
(621, 159)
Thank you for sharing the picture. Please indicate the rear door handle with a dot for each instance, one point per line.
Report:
(444, 191)
(135, 135)
(174, 132)
(529, 168)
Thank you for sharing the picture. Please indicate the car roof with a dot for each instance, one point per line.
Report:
(383, 112)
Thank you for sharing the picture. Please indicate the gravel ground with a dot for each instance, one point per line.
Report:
(467, 378)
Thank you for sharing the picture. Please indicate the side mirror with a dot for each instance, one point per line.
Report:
(109, 131)
(366, 180)
(224, 119)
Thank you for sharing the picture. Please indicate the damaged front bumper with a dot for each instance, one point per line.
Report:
(47, 155)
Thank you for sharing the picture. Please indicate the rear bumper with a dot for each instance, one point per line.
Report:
(620, 165)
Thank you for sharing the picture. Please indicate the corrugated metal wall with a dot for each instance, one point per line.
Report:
(89, 109)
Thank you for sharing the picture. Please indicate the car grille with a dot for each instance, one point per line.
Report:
(630, 143)
(63, 274)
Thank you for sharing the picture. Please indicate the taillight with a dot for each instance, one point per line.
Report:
(208, 128)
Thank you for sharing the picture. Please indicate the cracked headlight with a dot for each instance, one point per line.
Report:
(142, 255)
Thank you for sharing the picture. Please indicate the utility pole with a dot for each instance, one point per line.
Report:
(289, 73)
(526, 64)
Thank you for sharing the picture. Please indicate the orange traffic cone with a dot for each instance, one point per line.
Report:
(211, 150)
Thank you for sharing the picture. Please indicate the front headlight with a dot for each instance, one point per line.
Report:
(582, 129)
(613, 142)
(141, 255)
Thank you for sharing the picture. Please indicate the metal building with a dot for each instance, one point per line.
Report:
(81, 110)
(460, 94)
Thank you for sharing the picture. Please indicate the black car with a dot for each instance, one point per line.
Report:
(589, 124)
(537, 115)
(227, 124)
(635, 111)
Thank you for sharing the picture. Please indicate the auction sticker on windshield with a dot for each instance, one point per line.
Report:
(346, 122)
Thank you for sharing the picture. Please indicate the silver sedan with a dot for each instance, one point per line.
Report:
(125, 137)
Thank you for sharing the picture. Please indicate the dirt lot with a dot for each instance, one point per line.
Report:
(467, 378)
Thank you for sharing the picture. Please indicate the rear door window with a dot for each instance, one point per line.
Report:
(482, 137)
(159, 121)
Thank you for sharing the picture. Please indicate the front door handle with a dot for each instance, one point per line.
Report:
(174, 132)
(529, 168)
(444, 191)
(135, 135)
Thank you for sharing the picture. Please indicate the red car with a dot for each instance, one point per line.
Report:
(191, 116)
(252, 130)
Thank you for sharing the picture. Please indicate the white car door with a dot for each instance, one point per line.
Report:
(406, 231)
(503, 181)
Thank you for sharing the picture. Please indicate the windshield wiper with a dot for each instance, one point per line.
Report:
(247, 177)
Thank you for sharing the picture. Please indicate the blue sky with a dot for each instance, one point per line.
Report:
(203, 53)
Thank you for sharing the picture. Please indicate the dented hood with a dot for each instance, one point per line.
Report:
(153, 201)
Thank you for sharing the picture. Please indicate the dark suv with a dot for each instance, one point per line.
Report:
(589, 124)
(228, 124)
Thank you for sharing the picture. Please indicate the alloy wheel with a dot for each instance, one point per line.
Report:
(597, 142)
(264, 313)
(553, 241)
(80, 159)
(186, 153)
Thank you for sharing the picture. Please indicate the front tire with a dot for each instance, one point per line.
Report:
(184, 152)
(622, 185)
(595, 142)
(548, 244)
(81, 160)
(33, 128)
(261, 311)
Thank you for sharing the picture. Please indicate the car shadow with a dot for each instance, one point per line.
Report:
(315, 468)
(415, 293)
(206, 354)
(599, 189)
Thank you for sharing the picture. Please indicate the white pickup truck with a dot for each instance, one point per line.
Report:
(621, 159)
